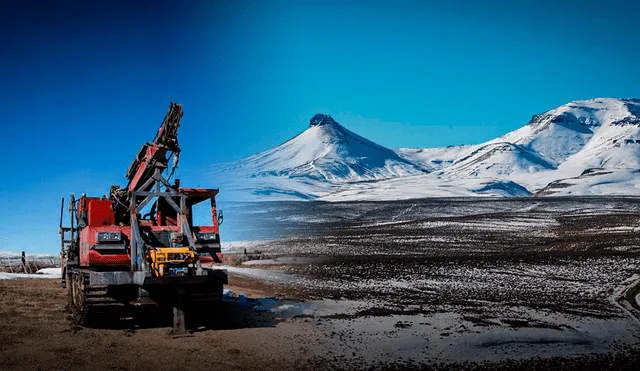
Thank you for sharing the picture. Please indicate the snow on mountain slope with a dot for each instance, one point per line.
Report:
(615, 144)
(547, 155)
(498, 158)
(315, 162)
(560, 146)
(243, 187)
(425, 186)
(596, 182)
(608, 152)
(566, 130)
(433, 158)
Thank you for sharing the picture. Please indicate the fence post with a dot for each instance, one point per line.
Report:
(23, 260)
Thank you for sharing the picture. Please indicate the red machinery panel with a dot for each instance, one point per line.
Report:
(89, 256)
(100, 212)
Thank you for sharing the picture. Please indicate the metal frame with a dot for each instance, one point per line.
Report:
(138, 262)
(64, 257)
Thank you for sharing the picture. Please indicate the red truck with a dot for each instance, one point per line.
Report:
(138, 246)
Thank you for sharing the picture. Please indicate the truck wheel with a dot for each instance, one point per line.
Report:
(77, 299)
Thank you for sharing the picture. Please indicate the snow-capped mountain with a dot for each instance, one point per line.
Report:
(571, 138)
(323, 157)
(584, 147)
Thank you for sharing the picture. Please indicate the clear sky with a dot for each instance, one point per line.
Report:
(85, 83)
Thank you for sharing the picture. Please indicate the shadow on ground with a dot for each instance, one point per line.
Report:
(232, 313)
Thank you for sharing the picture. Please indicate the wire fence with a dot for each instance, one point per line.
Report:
(26, 263)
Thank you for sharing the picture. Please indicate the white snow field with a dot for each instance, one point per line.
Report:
(42, 273)
(589, 147)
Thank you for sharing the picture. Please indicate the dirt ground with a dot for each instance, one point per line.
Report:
(37, 334)
(438, 284)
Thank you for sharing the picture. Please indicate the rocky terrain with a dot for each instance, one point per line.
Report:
(463, 279)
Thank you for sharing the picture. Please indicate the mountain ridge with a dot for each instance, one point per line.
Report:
(328, 162)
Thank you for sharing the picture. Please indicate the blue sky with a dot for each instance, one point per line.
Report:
(85, 83)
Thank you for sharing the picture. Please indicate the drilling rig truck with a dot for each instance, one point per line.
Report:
(138, 247)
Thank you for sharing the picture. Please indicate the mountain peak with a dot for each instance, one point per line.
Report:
(321, 119)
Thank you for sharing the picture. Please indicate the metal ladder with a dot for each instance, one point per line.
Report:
(63, 241)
